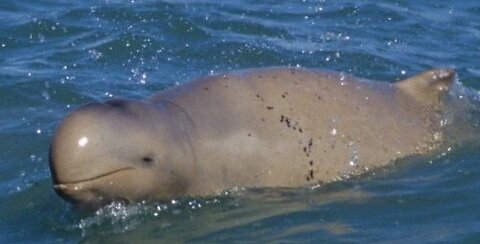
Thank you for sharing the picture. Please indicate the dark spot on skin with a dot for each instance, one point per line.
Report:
(226, 86)
(261, 98)
(263, 120)
(269, 107)
(310, 175)
(260, 76)
(283, 95)
(249, 134)
(308, 149)
(290, 124)
(205, 88)
(311, 162)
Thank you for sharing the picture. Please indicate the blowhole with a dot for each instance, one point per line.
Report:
(116, 103)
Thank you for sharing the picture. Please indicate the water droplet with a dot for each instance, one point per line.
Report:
(46, 95)
(353, 154)
(94, 54)
(443, 122)
(143, 78)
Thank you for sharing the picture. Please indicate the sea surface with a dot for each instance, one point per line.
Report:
(57, 55)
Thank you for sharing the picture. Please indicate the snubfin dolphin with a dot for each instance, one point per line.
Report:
(272, 127)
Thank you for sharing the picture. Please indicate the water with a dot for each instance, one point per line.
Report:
(57, 55)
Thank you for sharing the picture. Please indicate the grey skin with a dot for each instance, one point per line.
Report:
(274, 127)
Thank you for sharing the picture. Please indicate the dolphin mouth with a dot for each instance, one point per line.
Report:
(76, 184)
(89, 192)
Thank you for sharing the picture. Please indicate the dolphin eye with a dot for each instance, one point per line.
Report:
(147, 160)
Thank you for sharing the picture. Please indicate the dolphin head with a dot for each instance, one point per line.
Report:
(118, 150)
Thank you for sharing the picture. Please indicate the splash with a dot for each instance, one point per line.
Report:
(461, 116)
(119, 217)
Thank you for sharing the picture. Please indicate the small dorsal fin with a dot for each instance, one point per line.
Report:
(429, 86)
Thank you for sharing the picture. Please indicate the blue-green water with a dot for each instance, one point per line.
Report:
(57, 55)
